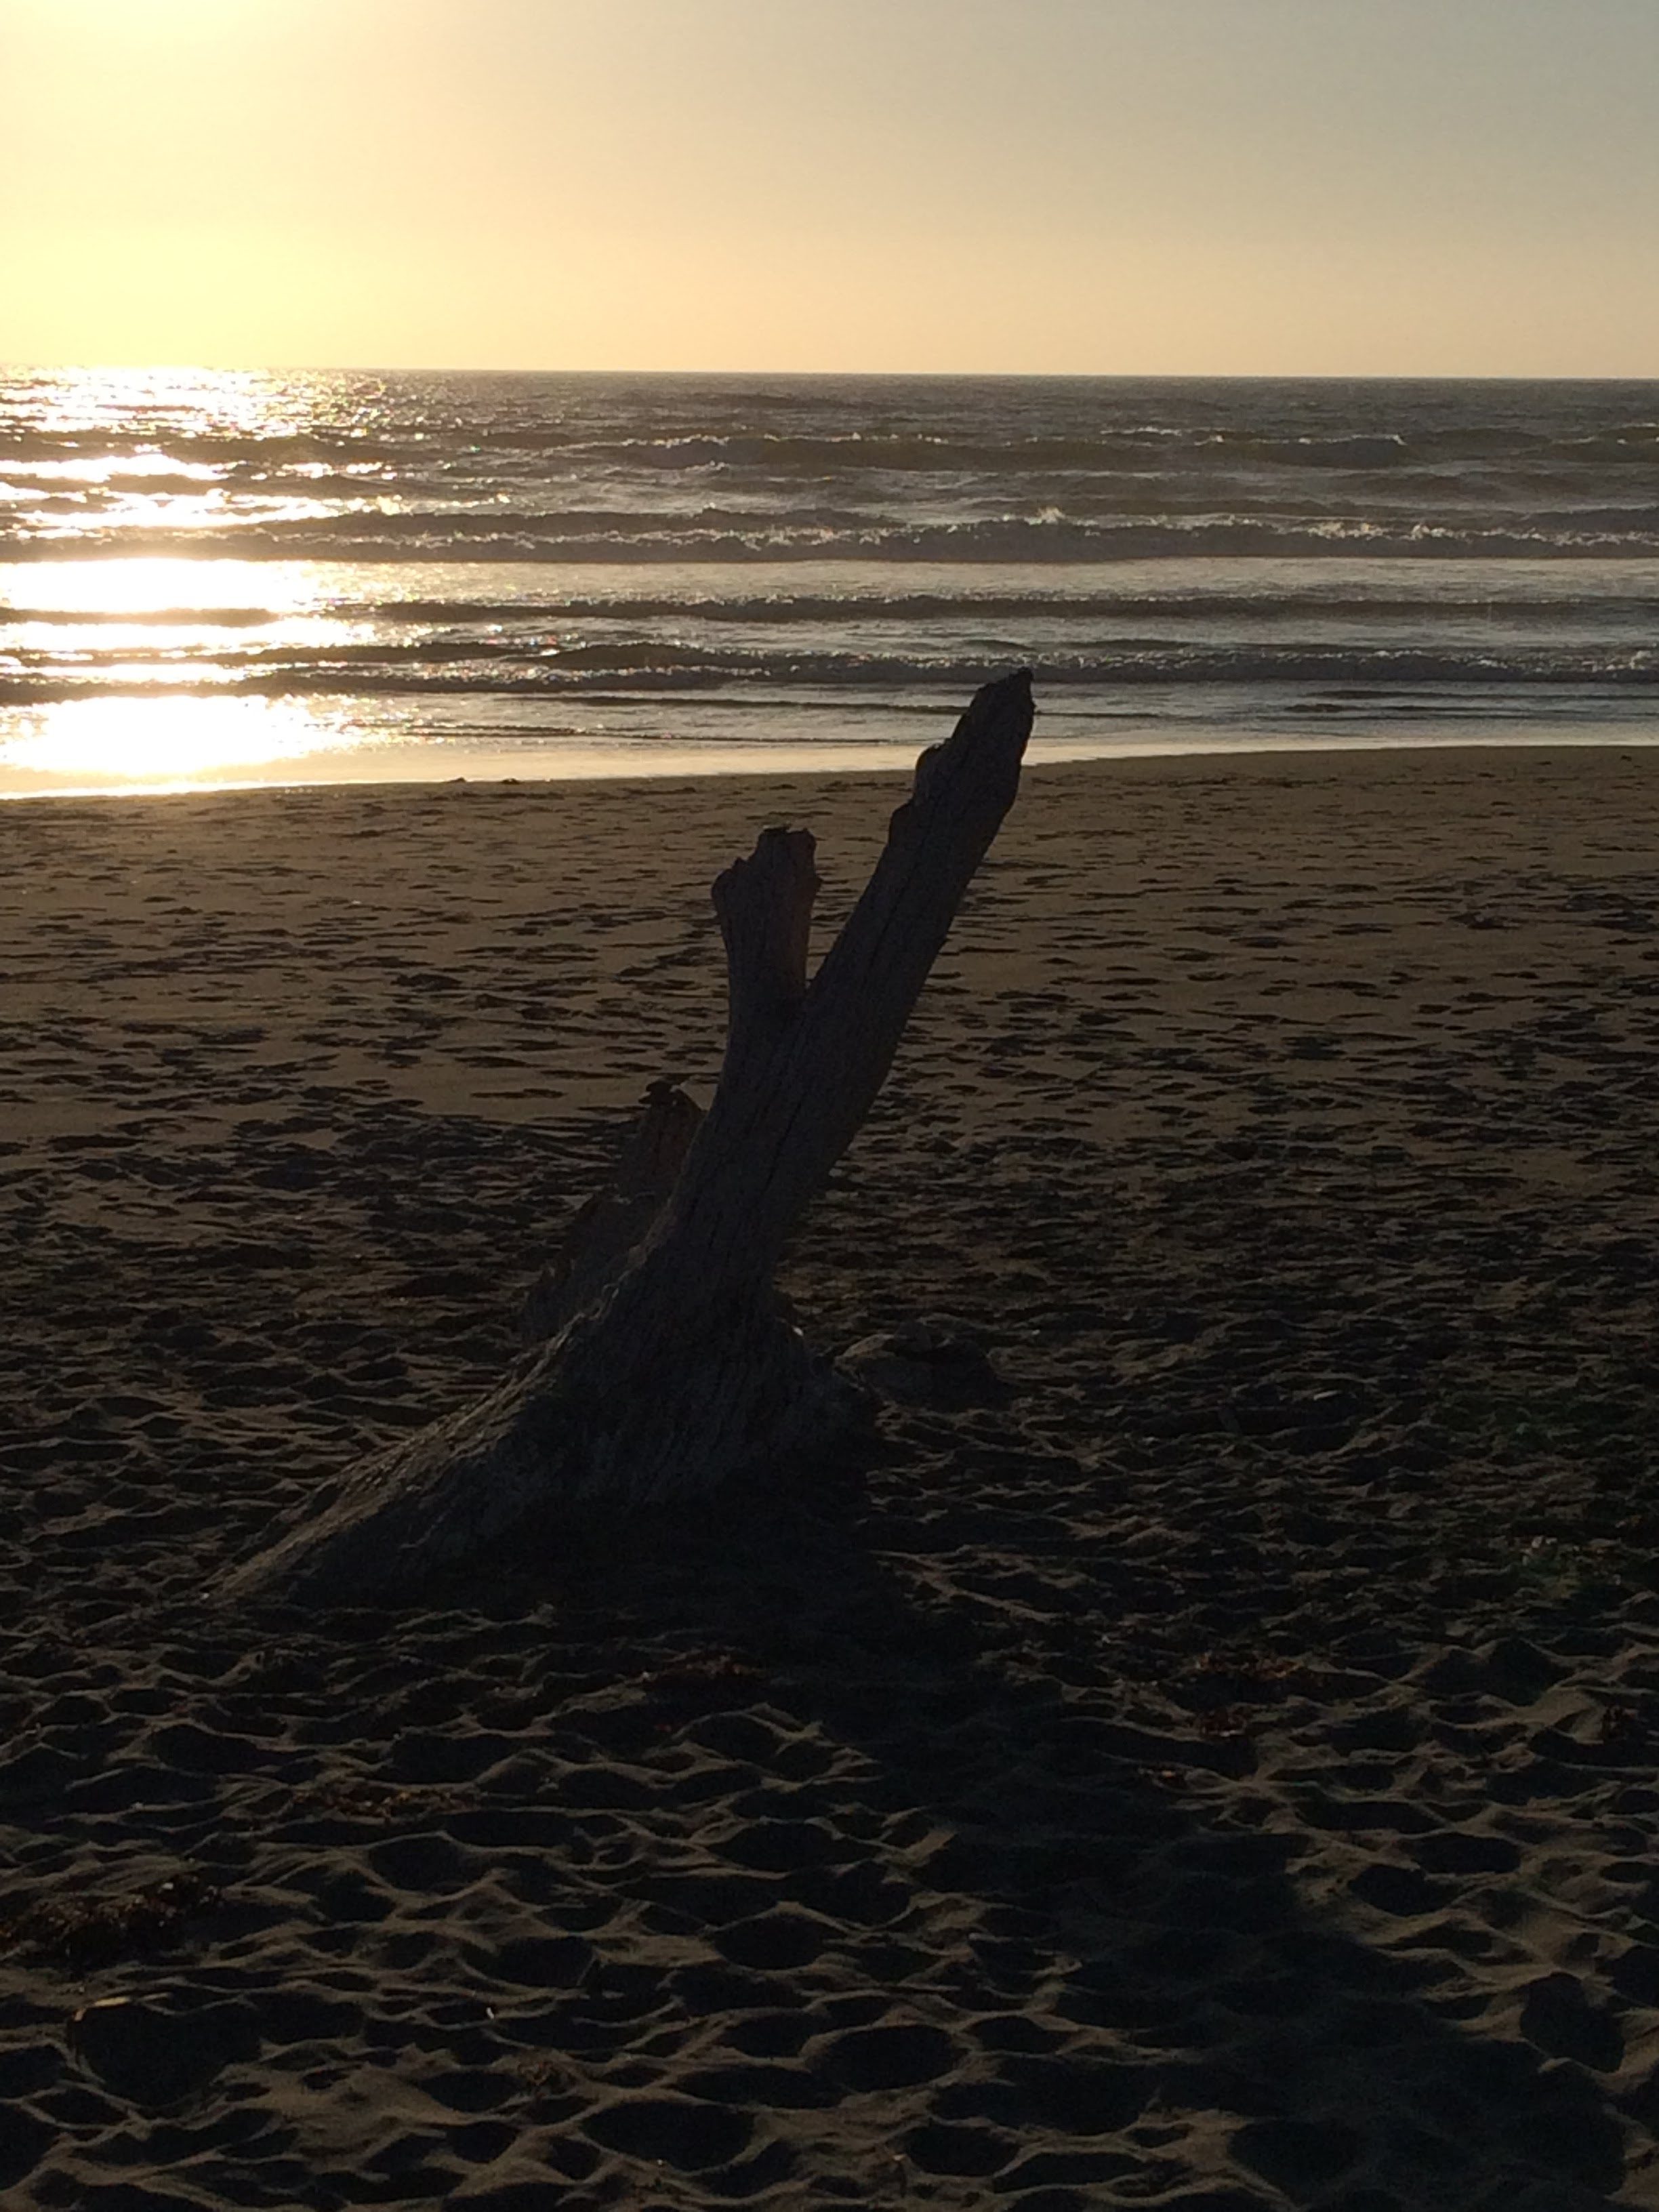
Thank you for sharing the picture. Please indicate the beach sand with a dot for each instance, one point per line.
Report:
(1218, 1774)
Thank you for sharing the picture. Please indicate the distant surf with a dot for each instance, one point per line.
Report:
(422, 572)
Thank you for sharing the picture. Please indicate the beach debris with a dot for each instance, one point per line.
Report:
(703, 1681)
(82, 1931)
(1234, 1679)
(359, 1798)
(676, 1364)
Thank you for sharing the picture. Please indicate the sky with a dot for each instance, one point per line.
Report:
(1342, 187)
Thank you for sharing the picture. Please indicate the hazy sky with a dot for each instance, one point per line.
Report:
(1348, 186)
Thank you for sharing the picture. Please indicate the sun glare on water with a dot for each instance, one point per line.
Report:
(165, 743)
(143, 623)
(141, 457)
(146, 587)
(169, 401)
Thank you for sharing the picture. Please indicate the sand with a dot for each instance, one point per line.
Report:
(1217, 1772)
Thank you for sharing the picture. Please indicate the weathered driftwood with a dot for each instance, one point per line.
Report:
(674, 1365)
(612, 1223)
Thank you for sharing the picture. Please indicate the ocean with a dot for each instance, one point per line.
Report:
(209, 578)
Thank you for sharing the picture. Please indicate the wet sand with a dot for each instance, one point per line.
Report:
(1218, 1773)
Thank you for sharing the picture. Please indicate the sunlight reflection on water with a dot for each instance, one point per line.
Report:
(161, 741)
(154, 584)
(166, 402)
(173, 610)
(237, 577)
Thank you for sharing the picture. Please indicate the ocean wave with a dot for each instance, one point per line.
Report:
(881, 541)
(423, 448)
(645, 666)
(179, 618)
(1016, 607)
(1528, 600)
(837, 535)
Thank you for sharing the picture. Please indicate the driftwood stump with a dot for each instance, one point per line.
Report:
(673, 1366)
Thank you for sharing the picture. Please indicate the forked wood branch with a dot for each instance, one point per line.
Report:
(673, 1366)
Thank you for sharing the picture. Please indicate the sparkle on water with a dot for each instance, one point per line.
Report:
(212, 577)
(172, 738)
(174, 401)
(166, 742)
(163, 607)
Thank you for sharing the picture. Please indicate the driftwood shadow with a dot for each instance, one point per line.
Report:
(1157, 2005)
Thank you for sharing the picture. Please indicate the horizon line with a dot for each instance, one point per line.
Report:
(185, 365)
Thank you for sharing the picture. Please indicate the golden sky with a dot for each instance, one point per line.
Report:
(1203, 186)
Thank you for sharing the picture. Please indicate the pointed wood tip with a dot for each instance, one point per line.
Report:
(1015, 686)
(980, 759)
(1004, 704)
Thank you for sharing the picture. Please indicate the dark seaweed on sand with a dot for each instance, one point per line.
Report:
(83, 1931)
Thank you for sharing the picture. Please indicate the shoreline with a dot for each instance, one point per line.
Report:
(854, 762)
